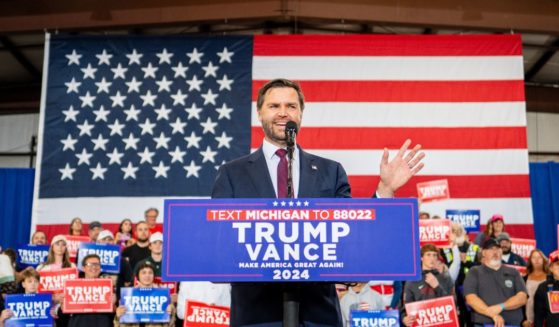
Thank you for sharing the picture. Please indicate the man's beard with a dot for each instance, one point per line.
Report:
(494, 263)
(269, 132)
(506, 251)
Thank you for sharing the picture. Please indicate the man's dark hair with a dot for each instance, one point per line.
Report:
(89, 256)
(139, 223)
(428, 248)
(276, 83)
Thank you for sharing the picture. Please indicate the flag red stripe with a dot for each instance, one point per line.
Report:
(408, 91)
(429, 138)
(387, 45)
(479, 186)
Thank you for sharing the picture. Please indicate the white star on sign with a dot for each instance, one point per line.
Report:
(224, 112)
(164, 84)
(87, 100)
(178, 126)
(83, 158)
(192, 169)
(85, 128)
(177, 155)
(119, 72)
(147, 127)
(116, 128)
(99, 142)
(209, 97)
(180, 70)
(208, 154)
(103, 86)
(146, 155)
(98, 172)
(209, 126)
(225, 55)
(134, 57)
(73, 86)
(101, 114)
(115, 156)
(164, 57)
(132, 113)
(210, 70)
(89, 72)
(149, 71)
(104, 58)
(148, 98)
(73, 58)
(193, 140)
(130, 142)
(194, 83)
(67, 172)
(134, 85)
(195, 56)
(163, 112)
(118, 99)
(129, 171)
(193, 111)
(161, 141)
(70, 114)
(225, 83)
(161, 170)
(223, 140)
(69, 143)
(178, 98)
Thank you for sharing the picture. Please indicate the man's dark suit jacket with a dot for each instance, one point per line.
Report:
(262, 303)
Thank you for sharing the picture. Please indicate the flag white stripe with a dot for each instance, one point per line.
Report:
(406, 68)
(515, 210)
(413, 114)
(437, 162)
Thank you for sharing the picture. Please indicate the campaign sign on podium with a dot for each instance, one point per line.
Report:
(241, 240)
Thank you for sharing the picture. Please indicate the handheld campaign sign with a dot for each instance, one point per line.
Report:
(235, 240)
(436, 312)
(109, 254)
(30, 255)
(433, 191)
(384, 318)
(73, 244)
(198, 314)
(145, 305)
(522, 246)
(553, 299)
(29, 310)
(53, 281)
(88, 295)
(470, 219)
(435, 231)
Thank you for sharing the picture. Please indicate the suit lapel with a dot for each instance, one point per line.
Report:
(308, 176)
(259, 176)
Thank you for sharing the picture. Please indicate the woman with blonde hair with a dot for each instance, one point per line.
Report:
(58, 257)
(536, 273)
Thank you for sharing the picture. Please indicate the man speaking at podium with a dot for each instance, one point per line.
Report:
(263, 174)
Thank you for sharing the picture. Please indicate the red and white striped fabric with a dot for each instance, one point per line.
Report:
(460, 97)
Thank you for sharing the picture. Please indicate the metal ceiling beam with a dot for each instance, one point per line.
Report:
(541, 62)
(20, 57)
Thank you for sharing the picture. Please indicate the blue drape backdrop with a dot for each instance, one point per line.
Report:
(16, 196)
(16, 199)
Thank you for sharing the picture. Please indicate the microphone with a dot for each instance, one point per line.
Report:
(290, 133)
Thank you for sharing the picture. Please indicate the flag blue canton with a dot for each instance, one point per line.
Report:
(143, 116)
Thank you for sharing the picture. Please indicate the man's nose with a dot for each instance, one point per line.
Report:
(282, 111)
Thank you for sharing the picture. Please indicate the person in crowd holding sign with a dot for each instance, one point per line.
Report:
(76, 226)
(494, 227)
(495, 292)
(433, 284)
(145, 274)
(256, 176)
(468, 258)
(546, 299)
(359, 297)
(509, 257)
(39, 238)
(58, 257)
(536, 273)
(218, 294)
(92, 270)
(139, 250)
(124, 235)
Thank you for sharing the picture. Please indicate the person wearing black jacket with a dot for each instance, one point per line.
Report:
(542, 313)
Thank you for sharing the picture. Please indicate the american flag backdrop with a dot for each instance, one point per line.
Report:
(128, 121)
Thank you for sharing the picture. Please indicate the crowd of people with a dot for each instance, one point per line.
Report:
(482, 276)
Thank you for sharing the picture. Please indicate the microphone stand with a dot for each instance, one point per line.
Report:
(290, 290)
